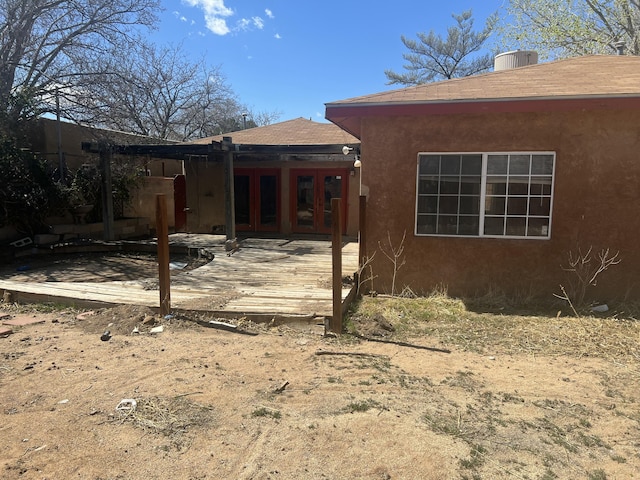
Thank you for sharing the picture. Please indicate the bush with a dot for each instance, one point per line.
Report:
(29, 193)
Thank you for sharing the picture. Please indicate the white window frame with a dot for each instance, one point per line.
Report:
(483, 196)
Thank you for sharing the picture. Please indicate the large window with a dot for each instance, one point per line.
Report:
(485, 194)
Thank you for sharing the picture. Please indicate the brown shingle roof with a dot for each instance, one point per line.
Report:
(610, 81)
(298, 131)
(595, 75)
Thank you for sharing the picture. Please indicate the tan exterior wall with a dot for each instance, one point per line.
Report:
(44, 138)
(596, 200)
(205, 193)
(143, 203)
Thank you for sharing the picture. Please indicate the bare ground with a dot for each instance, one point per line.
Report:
(515, 397)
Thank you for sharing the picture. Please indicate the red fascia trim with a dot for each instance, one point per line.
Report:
(348, 116)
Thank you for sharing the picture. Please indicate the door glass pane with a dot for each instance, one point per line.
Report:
(268, 200)
(304, 200)
(242, 196)
(332, 189)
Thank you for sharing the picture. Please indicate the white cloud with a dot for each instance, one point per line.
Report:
(215, 13)
(217, 25)
(246, 24)
(277, 35)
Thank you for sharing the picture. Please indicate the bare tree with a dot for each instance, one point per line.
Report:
(432, 58)
(158, 92)
(43, 44)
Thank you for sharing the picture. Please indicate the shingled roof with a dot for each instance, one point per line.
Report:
(298, 131)
(575, 79)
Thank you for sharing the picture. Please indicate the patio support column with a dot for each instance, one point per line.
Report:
(229, 195)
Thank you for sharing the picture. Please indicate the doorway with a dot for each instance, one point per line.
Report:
(311, 194)
(257, 199)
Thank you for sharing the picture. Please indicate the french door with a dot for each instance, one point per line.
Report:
(311, 193)
(257, 199)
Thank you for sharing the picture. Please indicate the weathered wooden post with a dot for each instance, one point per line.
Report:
(362, 243)
(362, 218)
(229, 194)
(162, 232)
(107, 192)
(336, 248)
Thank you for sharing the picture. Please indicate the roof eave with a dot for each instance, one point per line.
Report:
(348, 115)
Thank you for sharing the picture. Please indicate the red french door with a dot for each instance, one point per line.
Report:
(311, 193)
(257, 199)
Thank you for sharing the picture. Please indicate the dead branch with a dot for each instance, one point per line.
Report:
(281, 388)
(586, 270)
(402, 344)
(366, 265)
(352, 354)
(395, 257)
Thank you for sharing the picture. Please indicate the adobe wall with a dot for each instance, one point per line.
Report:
(44, 139)
(596, 201)
(143, 201)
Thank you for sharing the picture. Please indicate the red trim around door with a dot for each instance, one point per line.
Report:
(310, 196)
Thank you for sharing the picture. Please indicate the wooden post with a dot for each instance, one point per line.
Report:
(162, 232)
(229, 194)
(362, 217)
(336, 248)
(107, 195)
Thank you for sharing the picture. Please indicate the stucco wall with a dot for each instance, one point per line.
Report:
(143, 202)
(44, 140)
(596, 200)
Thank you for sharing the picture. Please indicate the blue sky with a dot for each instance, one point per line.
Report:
(293, 56)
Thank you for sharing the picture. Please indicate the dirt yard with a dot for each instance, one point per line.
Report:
(437, 392)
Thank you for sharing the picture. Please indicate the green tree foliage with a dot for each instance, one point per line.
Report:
(567, 28)
(433, 58)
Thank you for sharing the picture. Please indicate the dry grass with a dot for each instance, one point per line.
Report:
(450, 321)
(507, 432)
(173, 417)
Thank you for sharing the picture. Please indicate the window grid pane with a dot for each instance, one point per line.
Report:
(515, 193)
(449, 194)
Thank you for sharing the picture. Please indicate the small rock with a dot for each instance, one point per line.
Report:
(106, 336)
(158, 329)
